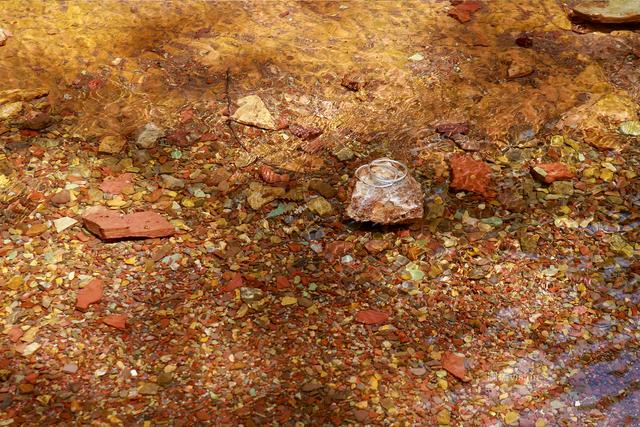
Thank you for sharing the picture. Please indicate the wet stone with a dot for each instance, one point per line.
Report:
(148, 135)
(608, 12)
(165, 378)
(253, 112)
(344, 154)
(564, 188)
(108, 224)
(70, 368)
(171, 182)
(111, 144)
(470, 174)
(551, 172)
(61, 197)
(319, 205)
(326, 190)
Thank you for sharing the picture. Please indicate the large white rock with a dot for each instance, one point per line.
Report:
(252, 111)
(400, 202)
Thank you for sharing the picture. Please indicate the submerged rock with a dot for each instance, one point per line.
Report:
(252, 111)
(551, 172)
(470, 174)
(148, 135)
(609, 12)
(631, 127)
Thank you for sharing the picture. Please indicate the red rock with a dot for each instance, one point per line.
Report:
(470, 175)
(304, 133)
(149, 224)
(337, 249)
(15, 334)
(90, 294)
(270, 177)
(108, 224)
(115, 185)
(235, 282)
(118, 321)
(371, 317)
(464, 11)
(375, 246)
(454, 365)
(551, 172)
(61, 197)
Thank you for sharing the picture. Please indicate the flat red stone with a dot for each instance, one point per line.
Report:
(90, 294)
(337, 249)
(470, 174)
(553, 172)
(454, 365)
(118, 321)
(148, 224)
(115, 185)
(15, 334)
(371, 317)
(108, 224)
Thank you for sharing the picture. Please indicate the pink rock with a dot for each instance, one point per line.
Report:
(115, 185)
(470, 174)
(118, 321)
(108, 224)
(551, 172)
(90, 294)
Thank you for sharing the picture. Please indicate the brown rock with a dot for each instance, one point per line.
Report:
(353, 81)
(37, 229)
(25, 388)
(470, 175)
(551, 172)
(325, 189)
(463, 11)
(118, 321)
(38, 122)
(609, 12)
(376, 246)
(521, 63)
(108, 224)
(115, 185)
(90, 294)
(111, 144)
(61, 197)
(400, 202)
